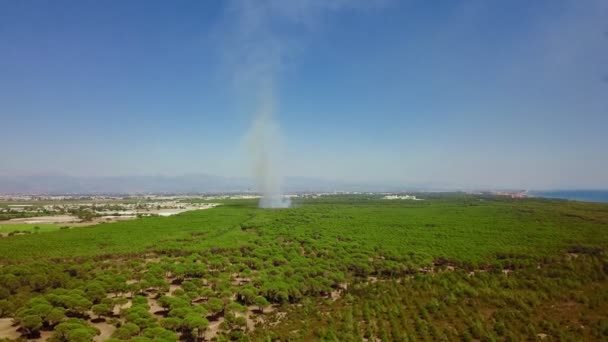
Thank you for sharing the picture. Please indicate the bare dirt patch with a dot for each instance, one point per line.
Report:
(213, 329)
(172, 289)
(155, 308)
(106, 331)
(7, 330)
(57, 219)
(125, 306)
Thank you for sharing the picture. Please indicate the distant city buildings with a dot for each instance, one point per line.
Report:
(512, 194)
(402, 197)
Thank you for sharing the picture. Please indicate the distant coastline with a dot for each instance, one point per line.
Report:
(575, 195)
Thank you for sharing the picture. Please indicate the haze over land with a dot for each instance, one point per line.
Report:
(396, 92)
(192, 183)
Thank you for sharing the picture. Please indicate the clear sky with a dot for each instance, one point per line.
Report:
(459, 93)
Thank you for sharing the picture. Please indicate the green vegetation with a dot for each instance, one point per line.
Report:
(27, 227)
(450, 267)
(12, 215)
(565, 299)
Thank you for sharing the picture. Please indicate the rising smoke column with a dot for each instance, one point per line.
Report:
(265, 150)
(256, 55)
(256, 52)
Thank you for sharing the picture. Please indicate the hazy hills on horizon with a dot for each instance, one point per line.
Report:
(189, 183)
(54, 183)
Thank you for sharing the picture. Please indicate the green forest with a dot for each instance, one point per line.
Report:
(334, 268)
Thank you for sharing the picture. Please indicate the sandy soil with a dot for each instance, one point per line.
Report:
(255, 317)
(118, 308)
(154, 307)
(213, 329)
(74, 221)
(58, 219)
(267, 310)
(250, 321)
(337, 293)
(279, 317)
(240, 281)
(106, 331)
(172, 289)
(67, 220)
(152, 260)
(7, 330)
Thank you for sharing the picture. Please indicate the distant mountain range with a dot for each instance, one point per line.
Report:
(64, 184)
(190, 183)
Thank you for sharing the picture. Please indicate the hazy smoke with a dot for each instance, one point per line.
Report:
(256, 53)
(265, 149)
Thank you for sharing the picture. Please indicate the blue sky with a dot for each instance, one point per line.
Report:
(457, 93)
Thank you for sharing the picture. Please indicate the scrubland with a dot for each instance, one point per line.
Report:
(340, 268)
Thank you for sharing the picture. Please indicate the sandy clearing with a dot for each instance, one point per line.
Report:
(172, 288)
(106, 331)
(213, 329)
(74, 221)
(44, 220)
(154, 307)
(7, 330)
(119, 308)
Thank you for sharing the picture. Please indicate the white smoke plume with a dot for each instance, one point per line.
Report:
(265, 150)
(256, 52)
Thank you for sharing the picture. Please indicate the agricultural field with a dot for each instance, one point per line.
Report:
(27, 228)
(336, 268)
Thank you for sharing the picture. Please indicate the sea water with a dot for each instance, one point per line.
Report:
(576, 195)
